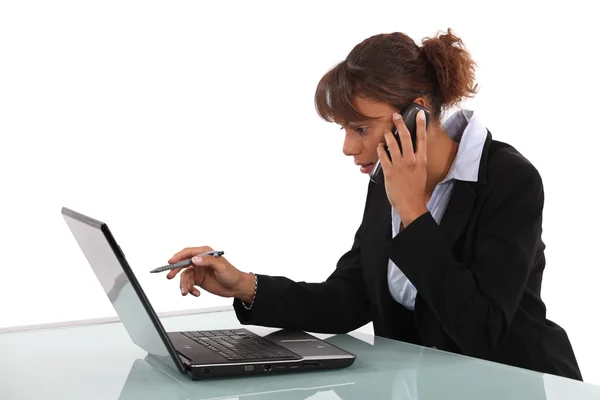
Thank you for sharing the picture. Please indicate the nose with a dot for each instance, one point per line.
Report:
(351, 145)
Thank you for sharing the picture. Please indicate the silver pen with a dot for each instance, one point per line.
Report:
(185, 263)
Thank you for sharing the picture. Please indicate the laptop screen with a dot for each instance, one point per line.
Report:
(111, 272)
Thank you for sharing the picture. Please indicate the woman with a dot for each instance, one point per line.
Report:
(449, 252)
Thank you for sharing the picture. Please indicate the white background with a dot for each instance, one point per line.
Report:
(192, 123)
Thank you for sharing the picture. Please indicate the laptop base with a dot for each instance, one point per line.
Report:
(312, 354)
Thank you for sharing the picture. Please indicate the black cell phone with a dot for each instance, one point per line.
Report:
(409, 115)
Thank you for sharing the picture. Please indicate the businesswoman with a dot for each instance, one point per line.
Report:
(449, 252)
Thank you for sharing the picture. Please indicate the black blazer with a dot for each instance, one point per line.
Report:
(478, 275)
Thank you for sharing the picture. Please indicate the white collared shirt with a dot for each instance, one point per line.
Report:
(466, 129)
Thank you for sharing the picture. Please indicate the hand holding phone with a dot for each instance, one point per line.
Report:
(409, 116)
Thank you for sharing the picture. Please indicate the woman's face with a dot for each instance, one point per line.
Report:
(363, 137)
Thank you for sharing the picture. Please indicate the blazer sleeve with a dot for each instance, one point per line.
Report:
(337, 305)
(476, 302)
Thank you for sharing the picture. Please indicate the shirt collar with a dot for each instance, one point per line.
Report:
(468, 130)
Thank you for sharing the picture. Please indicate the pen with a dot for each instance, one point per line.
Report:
(185, 263)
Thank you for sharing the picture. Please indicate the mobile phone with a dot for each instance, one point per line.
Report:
(409, 115)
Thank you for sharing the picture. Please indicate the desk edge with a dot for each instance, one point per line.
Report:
(108, 320)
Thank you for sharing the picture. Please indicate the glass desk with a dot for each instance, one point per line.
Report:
(99, 361)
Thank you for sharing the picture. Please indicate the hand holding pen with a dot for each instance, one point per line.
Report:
(185, 263)
(212, 273)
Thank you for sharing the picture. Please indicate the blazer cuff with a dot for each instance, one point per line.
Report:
(260, 308)
(421, 251)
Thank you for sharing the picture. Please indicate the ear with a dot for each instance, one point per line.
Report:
(422, 102)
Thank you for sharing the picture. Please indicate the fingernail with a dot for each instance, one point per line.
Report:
(197, 259)
(196, 293)
(421, 115)
(183, 291)
(396, 116)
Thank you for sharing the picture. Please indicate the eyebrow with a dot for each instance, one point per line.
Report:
(359, 123)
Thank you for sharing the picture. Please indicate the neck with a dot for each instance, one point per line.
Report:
(441, 152)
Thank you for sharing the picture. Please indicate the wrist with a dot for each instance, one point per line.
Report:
(247, 288)
(411, 216)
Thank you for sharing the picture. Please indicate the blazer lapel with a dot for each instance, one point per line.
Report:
(462, 200)
(458, 211)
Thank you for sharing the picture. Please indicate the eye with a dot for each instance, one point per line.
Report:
(361, 130)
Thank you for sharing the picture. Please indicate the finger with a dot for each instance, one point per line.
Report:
(186, 281)
(173, 273)
(192, 289)
(188, 252)
(198, 280)
(215, 263)
(404, 134)
(421, 137)
(386, 164)
(392, 144)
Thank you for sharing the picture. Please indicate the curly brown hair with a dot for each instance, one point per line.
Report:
(392, 68)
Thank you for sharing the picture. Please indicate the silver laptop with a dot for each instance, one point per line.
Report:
(201, 354)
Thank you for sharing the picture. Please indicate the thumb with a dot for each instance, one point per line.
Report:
(208, 261)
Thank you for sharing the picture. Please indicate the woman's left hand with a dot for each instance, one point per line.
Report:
(406, 173)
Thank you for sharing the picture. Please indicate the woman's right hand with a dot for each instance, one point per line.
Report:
(213, 274)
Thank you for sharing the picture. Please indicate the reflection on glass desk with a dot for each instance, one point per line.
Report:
(99, 361)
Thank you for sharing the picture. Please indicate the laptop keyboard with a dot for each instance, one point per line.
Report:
(239, 345)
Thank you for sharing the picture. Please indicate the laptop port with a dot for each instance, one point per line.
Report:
(249, 368)
(310, 364)
(267, 367)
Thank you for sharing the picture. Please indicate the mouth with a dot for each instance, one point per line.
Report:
(366, 168)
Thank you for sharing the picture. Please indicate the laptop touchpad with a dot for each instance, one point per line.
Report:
(305, 345)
